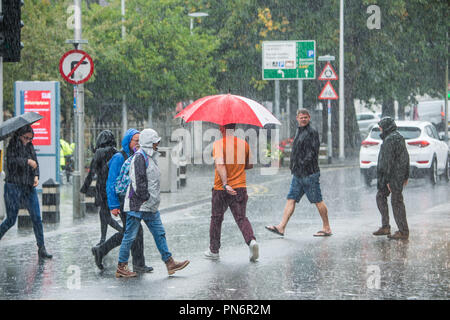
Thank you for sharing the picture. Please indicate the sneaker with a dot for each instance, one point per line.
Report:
(173, 265)
(123, 271)
(382, 232)
(399, 236)
(254, 250)
(211, 255)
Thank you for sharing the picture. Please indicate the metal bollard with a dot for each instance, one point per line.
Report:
(50, 201)
(23, 218)
(182, 165)
(89, 198)
(323, 154)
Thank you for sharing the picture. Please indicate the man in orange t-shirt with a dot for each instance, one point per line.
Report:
(231, 157)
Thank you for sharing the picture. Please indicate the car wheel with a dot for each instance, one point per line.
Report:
(367, 179)
(446, 174)
(433, 172)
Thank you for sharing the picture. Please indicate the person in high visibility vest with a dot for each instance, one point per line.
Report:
(65, 155)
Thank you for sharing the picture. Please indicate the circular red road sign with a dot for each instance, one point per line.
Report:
(76, 66)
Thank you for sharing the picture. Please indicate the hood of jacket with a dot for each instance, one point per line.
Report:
(388, 125)
(146, 140)
(105, 139)
(127, 139)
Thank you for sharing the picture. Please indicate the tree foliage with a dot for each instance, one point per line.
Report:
(159, 62)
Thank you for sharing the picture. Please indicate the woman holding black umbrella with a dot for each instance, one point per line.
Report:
(22, 177)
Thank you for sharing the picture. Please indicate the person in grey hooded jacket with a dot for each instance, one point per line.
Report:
(142, 202)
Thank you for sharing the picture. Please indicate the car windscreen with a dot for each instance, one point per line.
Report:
(406, 132)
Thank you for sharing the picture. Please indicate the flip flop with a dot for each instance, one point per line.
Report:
(274, 230)
(322, 233)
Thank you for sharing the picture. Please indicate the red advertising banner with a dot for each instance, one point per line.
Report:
(40, 102)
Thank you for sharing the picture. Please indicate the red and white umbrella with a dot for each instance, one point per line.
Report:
(227, 108)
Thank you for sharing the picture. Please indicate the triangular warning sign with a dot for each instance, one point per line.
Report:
(328, 93)
(328, 73)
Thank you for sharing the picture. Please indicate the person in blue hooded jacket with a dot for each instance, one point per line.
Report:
(130, 143)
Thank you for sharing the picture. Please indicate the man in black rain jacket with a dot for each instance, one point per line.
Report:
(392, 176)
(305, 171)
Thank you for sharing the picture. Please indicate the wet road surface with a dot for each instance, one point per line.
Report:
(351, 264)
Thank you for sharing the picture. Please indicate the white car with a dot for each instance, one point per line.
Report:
(429, 156)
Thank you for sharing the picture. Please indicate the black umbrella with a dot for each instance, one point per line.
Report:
(13, 124)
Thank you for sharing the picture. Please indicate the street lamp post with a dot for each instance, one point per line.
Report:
(195, 15)
(124, 97)
(341, 80)
(196, 127)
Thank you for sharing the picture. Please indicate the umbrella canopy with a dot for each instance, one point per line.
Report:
(227, 108)
(13, 124)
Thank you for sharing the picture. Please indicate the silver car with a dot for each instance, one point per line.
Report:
(366, 121)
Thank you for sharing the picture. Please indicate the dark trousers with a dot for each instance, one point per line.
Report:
(221, 201)
(398, 208)
(137, 248)
(105, 220)
(16, 197)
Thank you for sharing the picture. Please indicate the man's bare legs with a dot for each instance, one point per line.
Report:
(289, 210)
(287, 213)
(323, 211)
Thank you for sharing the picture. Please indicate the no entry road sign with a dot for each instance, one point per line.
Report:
(76, 66)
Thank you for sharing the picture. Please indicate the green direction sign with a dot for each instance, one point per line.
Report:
(289, 60)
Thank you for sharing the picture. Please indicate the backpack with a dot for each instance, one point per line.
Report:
(123, 180)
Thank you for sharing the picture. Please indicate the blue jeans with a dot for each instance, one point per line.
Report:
(154, 224)
(17, 196)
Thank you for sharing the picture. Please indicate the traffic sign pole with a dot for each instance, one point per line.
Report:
(277, 99)
(300, 94)
(78, 173)
(328, 74)
(76, 67)
(329, 142)
(329, 94)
